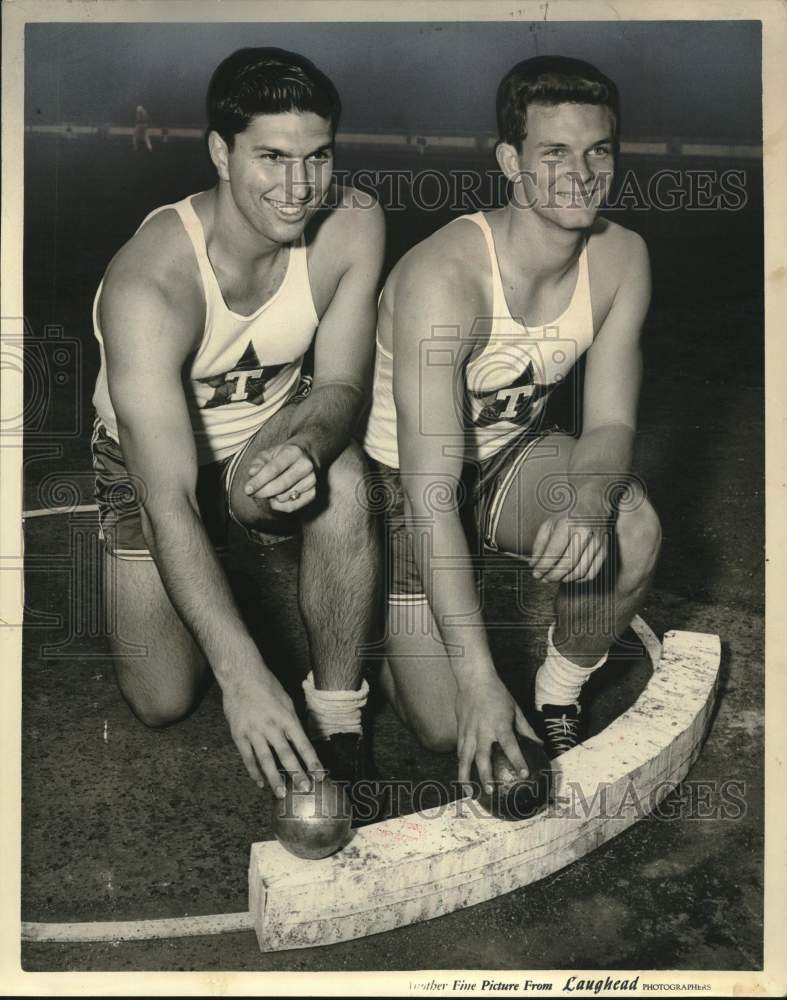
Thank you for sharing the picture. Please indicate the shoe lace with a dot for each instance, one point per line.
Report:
(562, 732)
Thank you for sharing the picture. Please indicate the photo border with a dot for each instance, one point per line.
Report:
(773, 15)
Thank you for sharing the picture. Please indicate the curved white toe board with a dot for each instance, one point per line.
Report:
(422, 866)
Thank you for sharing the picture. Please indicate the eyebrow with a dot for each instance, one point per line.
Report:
(563, 145)
(288, 153)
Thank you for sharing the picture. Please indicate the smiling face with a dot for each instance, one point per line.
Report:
(564, 169)
(278, 171)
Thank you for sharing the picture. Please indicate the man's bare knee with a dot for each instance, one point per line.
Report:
(158, 709)
(157, 713)
(342, 508)
(251, 513)
(639, 541)
(436, 738)
(436, 733)
(346, 476)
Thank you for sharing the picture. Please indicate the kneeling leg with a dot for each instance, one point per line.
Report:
(168, 678)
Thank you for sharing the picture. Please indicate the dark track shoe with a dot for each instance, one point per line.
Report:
(349, 761)
(560, 727)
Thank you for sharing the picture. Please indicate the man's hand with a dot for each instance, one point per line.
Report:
(487, 714)
(572, 547)
(262, 722)
(284, 476)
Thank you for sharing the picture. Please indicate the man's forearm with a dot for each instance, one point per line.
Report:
(198, 588)
(448, 579)
(324, 423)
(602, 457)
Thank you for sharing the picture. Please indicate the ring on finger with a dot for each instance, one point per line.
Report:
(294, 495)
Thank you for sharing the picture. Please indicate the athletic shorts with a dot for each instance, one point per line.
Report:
(482, 495)
(119, 494)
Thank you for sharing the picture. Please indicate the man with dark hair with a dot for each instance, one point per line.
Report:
(477, 325)
(202, 414)
(271, 78)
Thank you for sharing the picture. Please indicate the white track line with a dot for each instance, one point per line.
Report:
(648, 638)
(46, 511)
(265, 540)
(138, 930)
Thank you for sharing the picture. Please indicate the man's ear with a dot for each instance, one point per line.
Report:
(520, 182)
(219, 153)
(508, 160)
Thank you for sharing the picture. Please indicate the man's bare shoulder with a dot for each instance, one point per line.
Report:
(159, 255)
(355, 202)
(351, 224)
(617, 259)
(155, 271)
(614, 247)
(451, 263)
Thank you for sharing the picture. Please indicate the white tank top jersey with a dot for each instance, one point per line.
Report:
(246, 367)
(507, 379)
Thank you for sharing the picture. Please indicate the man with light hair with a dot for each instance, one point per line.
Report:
(477, 326)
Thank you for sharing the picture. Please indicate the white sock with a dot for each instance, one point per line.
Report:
(334, 711)
(558, 680)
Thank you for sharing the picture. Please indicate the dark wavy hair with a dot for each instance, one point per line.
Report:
(550, 80)
(267, 81)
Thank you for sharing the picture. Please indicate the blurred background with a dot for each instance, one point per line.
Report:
(691, 79)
